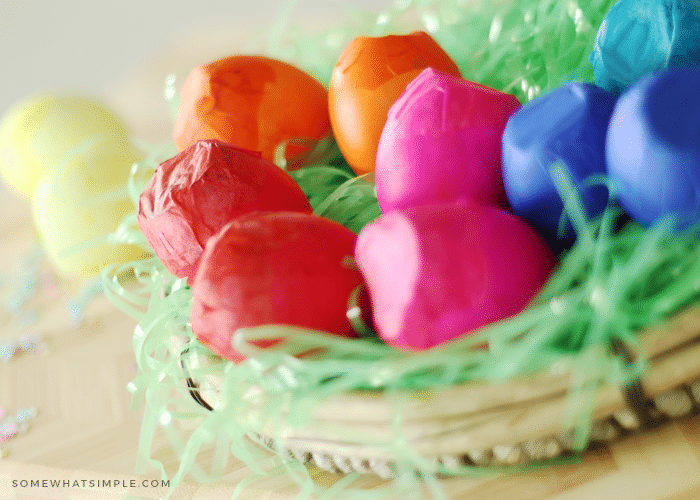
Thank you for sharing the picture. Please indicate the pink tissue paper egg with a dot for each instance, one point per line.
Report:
(442, 143)
(436, 272)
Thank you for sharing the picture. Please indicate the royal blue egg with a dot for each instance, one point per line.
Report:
(567, 125)
(640, 36)
(653, 148)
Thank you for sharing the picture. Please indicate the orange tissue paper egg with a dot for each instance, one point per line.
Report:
(253, 102)
(369, 76)
(273, 268)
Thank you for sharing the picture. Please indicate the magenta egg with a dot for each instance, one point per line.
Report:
(442, 143)
(436, 272)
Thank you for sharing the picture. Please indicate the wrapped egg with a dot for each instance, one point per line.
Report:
(253, 102)
(638, 37)
(274, 268)
(194, 194)
(442, 143)
(435, 272)
(567, 125)
(47, 132)
(77, 207)
(369, 76)
(653, 148)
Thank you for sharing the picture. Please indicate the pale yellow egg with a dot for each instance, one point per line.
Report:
(43, 133)
(77, 207)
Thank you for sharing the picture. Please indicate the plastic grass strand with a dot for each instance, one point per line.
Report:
(572, 204)
(353, 204)
(243, 484)
(171, 97)
(320, 152)
(156, 400)
(434, 487)
(319, 182)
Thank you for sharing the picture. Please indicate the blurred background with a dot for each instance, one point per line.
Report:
(120, 51)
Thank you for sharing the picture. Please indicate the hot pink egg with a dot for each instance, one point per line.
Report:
(442, 143)
(436, 272)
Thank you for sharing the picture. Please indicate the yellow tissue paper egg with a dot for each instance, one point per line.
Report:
(76, 207)
(42, 133)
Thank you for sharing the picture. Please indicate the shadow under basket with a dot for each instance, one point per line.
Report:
(515, 421)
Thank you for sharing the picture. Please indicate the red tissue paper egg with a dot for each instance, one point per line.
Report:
(274, 268)
(442, 143)
(435, 272)
(254, 102)
(369, 76)
(194, 194)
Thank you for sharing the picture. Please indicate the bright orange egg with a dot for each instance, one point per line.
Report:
(369, 76)
(252, 102)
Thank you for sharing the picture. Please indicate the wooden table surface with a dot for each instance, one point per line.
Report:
(85, 431)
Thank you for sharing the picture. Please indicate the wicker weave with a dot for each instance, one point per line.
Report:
(503, 423)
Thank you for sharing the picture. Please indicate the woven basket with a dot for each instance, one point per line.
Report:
(479, 424)
(490, 424)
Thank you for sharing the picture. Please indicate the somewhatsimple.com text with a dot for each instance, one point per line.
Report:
(90, 483)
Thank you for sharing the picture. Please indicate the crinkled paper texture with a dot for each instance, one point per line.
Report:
(196, 193)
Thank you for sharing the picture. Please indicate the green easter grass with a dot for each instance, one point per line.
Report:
(610, 285)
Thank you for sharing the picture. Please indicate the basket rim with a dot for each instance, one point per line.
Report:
(470, 417)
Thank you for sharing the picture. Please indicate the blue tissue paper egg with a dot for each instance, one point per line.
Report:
(641, 36)
(567, 125)
(653, 147)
